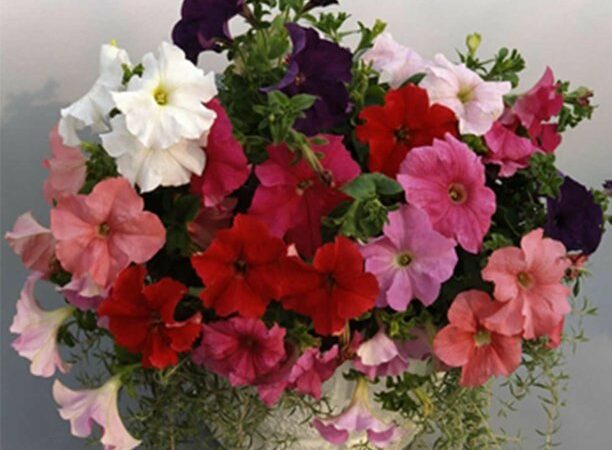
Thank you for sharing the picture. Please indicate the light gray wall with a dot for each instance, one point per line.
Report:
(48, 58)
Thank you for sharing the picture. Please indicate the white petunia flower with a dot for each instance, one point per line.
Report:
(84, 408)
(165, 105)
(150, 167)
(477, 103)
(92, 109)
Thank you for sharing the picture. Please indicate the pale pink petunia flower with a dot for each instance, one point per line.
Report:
(101, 233)
(411, 260)
(33, 243)
(357, 417)
(447, 180)
(67, 170)
(312, 369)
(508, 150)
(528, 282)
(38, 330)
(86, 407)
(394, 60)
(83, 293)
(481, 349)
(477, 103)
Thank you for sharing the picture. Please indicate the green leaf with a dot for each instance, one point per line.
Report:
(369, 185)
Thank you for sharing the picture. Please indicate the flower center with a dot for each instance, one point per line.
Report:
(482, 337)
(300, 78)
(457, 193)
(402, 134)
(404, 259)
(104, 230)
(330, 281)
(302, 186)
(161, 96)
(465, 94)
(247, 342)
(524, 280)
(240, 267)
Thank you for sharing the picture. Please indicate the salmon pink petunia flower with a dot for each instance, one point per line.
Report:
(447, 180)
(334, 289)
(240, 268)
(292, 199)
(411, 260)
(33, 243)
(405, 121)
(528, 282)
(480, 348)
(101, 233)
(84, 408)
(141, 318)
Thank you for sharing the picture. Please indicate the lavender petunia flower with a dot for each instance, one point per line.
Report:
(204, 25)
(320, 68)
(574, 218)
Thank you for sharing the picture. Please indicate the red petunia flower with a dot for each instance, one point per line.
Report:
(405, 121)
(334, 289)
(141, 318)
(240, 268)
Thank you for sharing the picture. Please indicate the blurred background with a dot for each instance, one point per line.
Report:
(48, 58)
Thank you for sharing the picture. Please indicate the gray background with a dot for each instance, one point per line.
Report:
(49, 58)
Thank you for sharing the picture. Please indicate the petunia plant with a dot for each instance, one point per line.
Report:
(324, 244)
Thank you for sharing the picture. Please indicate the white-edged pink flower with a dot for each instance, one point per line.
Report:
(37, 331)
(32, 242)
(357, 417)
(394, 60)
(477, 103)
(83, 408)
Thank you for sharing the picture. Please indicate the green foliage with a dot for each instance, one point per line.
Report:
(576, 106)
(281, 112)
(542, 169)
(100, 165)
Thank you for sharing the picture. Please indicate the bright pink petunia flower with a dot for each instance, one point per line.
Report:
(33, 243)
(101, 233)
(67, 169)
(312, 369)
(507, 150)
(447, 180)
(528, 281)
(411, 260)
(482, 349)
(226, 165)
(241, 349)
(292, 199)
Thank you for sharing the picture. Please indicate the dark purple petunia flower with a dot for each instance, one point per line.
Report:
(607, 187)
(574, 218)
(320, 68)
(314, 3)
(204, 25)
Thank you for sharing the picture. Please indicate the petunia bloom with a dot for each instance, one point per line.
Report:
(292, 199)
(204, 25)
(204, 227)
(141, 318)
(101, 233)
(84, 408)
(411, 260)
(575, 218)
(312, 369)
(607, 187)
(320, 68)
(507, 149)
(92, 110)
(84, 293)
(528, 281)
(37, 331)
(240, 268)
(357, 417)
(393, 60)
(241, 349)
(477, 103)
(447, 180)
(151, 167)
(480, 348)
(226, 164)
(166, 104)
(406, 120)
(33, 243)
(67, 169)
(335, 288)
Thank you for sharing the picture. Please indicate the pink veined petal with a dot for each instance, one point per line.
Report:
(32, 242)
(454, 346)
(509, 319)
(502, 269)
(330, 433)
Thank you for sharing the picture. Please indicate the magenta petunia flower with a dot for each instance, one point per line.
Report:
(528, 280)
(67, 169)
(33, 243)
(507, 149)
(411, 260)
(312, 369)
(101, 233)
(447, 180)
(292, 199)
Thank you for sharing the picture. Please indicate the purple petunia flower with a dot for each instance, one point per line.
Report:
(574, 218)
(607, 187)
(320, 68)
(314, 3)
(204, 25)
